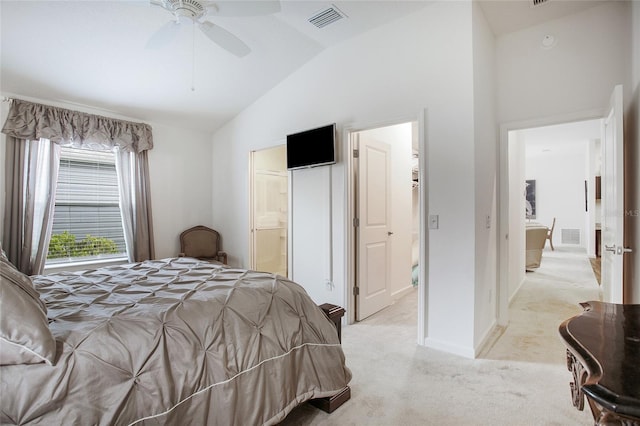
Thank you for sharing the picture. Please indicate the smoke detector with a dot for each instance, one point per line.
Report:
(548, 42)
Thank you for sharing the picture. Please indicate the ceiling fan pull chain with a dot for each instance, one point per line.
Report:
(193, 58)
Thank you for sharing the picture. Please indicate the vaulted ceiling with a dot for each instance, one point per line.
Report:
(95, 53)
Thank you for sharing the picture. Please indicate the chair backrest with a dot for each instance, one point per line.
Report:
(200, 242)
(535, 237)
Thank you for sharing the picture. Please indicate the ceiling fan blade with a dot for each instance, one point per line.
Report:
(165, 35)
(245, 8)
(224, 39)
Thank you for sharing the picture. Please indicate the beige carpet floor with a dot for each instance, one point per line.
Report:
(522, 379)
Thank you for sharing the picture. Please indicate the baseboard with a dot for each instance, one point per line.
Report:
(463, 351)
(398, 294)
(491, 336)
(513, 295)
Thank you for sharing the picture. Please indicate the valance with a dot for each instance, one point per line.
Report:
(32, 121)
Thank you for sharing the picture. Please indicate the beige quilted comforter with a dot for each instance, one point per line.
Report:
(175, 341)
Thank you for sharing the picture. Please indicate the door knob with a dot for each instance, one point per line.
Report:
(389, 233)
(622, 250)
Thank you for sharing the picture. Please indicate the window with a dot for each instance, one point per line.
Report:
(87, 224)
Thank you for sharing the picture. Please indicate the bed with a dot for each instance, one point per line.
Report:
(171, 341)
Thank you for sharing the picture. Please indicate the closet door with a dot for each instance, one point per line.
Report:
(374, 231)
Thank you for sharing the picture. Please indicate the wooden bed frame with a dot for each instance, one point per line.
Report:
(331, 403)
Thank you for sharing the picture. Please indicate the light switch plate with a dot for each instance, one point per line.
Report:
(433, 221)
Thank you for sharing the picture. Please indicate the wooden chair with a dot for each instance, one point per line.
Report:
(202, 243)
(550, 233)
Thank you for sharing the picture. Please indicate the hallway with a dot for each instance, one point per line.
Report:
(521, 380)
(548, 296)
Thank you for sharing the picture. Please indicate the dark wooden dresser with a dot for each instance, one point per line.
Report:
(603, 354)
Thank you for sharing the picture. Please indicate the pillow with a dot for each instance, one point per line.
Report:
(9, 273)
(25, 337)
(3, 255)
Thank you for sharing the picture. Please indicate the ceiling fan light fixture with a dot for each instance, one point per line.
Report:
(189, 9)
(184, 18)
(194, 11)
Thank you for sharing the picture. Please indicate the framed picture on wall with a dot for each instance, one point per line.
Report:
(530, 195)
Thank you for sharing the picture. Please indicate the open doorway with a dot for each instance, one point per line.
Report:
(269, 207)
(385, 210)
(612, 213)
(563, 167)
(562, 162)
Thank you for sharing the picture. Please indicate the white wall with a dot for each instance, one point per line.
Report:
(578, 74)
(180, 173)
(179, 170)
(485, 176)
(311, 247)
(388, 74)
(560, 175)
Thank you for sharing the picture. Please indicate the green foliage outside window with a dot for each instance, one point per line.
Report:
(65, 245)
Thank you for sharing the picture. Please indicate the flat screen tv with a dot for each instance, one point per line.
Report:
(311, 148)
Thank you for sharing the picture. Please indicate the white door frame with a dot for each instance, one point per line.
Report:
(502, 295)
(350, 241)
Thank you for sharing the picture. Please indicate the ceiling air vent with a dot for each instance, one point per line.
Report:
(327, 16)
(535, 3)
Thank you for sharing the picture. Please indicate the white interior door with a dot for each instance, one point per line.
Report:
(613, 200)
(374, 248)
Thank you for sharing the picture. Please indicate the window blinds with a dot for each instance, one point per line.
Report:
(87, 201)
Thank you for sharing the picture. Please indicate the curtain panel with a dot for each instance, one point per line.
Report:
(31, 174)
(34, 135)
(135, 204)
(31, 121)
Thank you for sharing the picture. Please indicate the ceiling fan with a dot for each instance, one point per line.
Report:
(194, 12)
